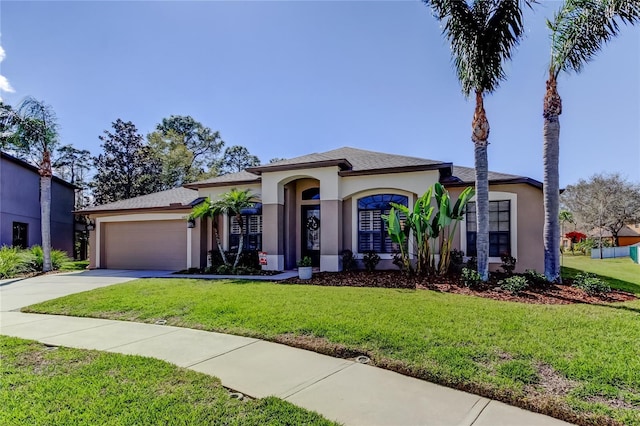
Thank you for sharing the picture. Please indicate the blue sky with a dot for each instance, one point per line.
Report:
(290, 78)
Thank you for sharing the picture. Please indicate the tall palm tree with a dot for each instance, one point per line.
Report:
(208, 209)
(32, 131)
(578, 31)
(483, 35)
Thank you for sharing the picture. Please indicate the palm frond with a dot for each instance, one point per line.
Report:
(582, 27)
(483, 35)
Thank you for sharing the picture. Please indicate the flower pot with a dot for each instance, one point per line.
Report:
(305, 272)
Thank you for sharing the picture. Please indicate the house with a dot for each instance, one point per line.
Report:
(627, 236)
(20, 206)
(315, 205)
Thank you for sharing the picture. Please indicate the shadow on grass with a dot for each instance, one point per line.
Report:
(613, 282)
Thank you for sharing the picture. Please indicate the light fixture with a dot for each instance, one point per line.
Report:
(191, 223)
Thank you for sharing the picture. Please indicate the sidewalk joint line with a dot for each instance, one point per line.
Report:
(317, 381)
(223, 353)
(475, 419)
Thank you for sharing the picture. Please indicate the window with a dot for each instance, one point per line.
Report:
(20, 235)
(252, 220)
(372, 232)
(499, 228)
(311, 194)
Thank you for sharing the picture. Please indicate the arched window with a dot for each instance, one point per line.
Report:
(372, 232)
(311, 194)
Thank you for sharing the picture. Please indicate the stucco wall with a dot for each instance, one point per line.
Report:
(20, 202)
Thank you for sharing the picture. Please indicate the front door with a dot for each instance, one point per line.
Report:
(311, 233)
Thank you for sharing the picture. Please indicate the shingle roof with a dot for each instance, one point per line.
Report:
(357, 160)
(231, 178)
(177, 197)
(467, 175)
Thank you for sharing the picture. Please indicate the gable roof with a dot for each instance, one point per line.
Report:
(177, 198)
(354, 161)
(25, 165)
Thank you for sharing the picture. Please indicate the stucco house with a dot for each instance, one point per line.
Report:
(315, 205)
(20, 206)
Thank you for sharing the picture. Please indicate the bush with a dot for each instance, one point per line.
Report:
(535, 278)
(370, 260)
(508, 263)
(224, 270)
(472, 263)
(58, 257)
(348, 260)
(516, 284)
(457, 260)
(13, 261)
(470, 278)
(305, 262)
(248, 258)
(590, 284)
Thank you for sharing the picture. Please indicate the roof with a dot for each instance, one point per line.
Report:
(34, 169)
(625, 231)
(354, 161)
(467, 175)
(242, 177)
(177, 198)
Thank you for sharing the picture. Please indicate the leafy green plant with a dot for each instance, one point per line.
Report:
(348, 260)
(515, 284)
(12, 262)
(305, 262)
(508, 263)
(470, 277)
(472, 263)
(590, 283)
(58, 257)
(224, 270)
(535, 278)
(447, 220)
(370, 260)
(399, 234)
(457, 260)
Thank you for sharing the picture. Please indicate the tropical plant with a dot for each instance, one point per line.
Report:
(470, 277)
(305, 262)
(230, 203)
(399, 235)
(578, 31)
(515, 284)
(348, 260)
(483, 35)
(32, 131)
(448, 218)
(370, 260)
(590, 283)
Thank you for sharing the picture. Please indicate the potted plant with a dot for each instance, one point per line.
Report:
(304, 268)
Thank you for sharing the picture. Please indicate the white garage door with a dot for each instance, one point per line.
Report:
(160, 244)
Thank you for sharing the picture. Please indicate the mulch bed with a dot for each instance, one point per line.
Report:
(553, 294)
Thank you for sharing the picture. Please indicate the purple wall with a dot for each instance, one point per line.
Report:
(20, 202)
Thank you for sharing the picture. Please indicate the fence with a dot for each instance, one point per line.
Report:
(633, 251)
(610, 252)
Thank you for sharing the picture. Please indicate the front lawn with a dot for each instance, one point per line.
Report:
(60, 386)
(620, 273)
(577, 361)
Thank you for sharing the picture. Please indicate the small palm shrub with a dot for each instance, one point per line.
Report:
(515, 284)
(470, 277)
(508, 263)
(590, 284)
(58, 257)
(348, 260)
(370, 260)
(13, 262)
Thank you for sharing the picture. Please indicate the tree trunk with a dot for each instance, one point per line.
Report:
(551, 187)
(45, 221)
(241, 242)
(45, 209)
(480, 138)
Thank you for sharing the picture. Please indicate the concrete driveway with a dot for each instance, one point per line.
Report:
(15, 294)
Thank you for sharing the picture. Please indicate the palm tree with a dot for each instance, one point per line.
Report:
(578, 31)
(230, 203)
(483, 34)
(32, 131)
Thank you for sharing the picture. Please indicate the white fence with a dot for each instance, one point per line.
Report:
(610, 252)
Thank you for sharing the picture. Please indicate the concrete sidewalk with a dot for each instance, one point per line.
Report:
(339, 389)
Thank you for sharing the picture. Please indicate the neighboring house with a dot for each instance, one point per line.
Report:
(20, 206)
(316, 205)
(627, 236)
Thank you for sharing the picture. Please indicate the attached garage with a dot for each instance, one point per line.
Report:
(157, 244)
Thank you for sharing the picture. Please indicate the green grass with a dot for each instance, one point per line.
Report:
(62, 386)
(620, 273)
(74, 265)
(498, 349)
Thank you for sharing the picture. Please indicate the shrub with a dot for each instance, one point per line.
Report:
(515, 284)
(58, 257)
(224, 270)
(590, 283)
(472, 263)
(304, 262)
(470, 277)
(457, 260)
(508, 263)
(535, 278)
(348, 260)
(248, 258)
(13, 262)
(370, 260)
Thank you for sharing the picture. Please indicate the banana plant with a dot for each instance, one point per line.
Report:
(447, 220)
(399, 236)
